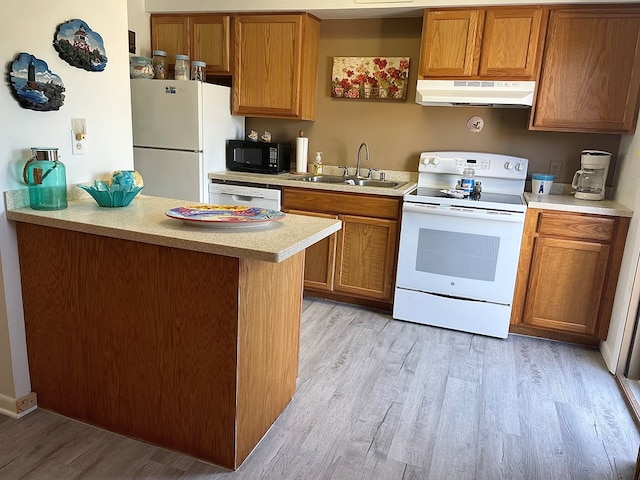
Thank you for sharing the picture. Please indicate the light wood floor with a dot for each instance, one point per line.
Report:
(383, 399)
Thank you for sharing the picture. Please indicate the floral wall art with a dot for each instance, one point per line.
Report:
(370, 77)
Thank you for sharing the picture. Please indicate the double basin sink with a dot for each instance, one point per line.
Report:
(356, 181)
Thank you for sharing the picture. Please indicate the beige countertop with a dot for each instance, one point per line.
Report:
(293, 180)
(144, 220)
(569, 203)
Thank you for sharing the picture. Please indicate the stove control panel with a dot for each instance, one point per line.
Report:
(477, 164)
(517, 166)
(484, 164)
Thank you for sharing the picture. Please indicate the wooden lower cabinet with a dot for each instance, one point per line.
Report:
(320, 258)
(366, 254)
(357, 264)
(567, 275)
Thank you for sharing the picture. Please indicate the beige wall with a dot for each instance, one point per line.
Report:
(140, 24)
(397, 132)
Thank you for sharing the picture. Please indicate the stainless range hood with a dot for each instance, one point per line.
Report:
(502, 93)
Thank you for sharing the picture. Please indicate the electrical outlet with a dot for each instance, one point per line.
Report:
(554, 168)
(77, 146)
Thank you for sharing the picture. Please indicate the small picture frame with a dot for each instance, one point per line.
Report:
(132, 42)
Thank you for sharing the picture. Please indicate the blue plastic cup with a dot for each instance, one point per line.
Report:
(541, 183)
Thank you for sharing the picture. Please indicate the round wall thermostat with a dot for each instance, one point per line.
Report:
(475, 124)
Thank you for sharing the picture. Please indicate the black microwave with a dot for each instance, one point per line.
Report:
(258, 157)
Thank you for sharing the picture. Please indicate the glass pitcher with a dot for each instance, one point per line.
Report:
(47, 180)
(589, 180)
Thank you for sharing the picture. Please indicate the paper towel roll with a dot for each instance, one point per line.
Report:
(302, 149)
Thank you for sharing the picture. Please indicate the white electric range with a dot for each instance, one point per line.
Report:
(459, 252)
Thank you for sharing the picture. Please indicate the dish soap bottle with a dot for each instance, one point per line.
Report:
(317, 166)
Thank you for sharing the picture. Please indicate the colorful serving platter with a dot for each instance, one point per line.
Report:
(224, 216)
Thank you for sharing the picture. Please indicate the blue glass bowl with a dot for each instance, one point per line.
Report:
(113, 195)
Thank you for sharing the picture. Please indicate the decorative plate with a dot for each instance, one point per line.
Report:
(224, 215)
(34, 85)
(80, 46)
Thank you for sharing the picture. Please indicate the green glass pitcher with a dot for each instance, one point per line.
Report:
(47, 180)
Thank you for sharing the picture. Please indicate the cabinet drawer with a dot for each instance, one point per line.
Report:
(341, 203)
(576, 226)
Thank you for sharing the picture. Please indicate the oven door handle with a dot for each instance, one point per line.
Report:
(496, 215)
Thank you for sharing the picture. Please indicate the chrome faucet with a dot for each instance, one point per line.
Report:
(366, 150)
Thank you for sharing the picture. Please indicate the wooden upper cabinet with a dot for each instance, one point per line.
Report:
(498, 43)
(591, 70)
(171, 34)
(210, 37)
(204, 37)
(276, 62)
(450, 43)
(511, 43)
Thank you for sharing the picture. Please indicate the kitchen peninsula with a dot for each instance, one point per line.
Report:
(181, 336)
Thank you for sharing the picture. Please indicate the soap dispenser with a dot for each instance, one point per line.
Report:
(317, 166)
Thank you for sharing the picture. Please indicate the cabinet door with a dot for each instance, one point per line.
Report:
(210, 42)
(591, 71)
(511, 43)
(566, 284)
(171, 34)
(366, 255)
(451, 43)
(267, 58)
(320, 258)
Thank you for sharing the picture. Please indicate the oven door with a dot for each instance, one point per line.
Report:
(468, 253)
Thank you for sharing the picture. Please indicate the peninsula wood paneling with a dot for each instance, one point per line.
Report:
(190, 351)
(269, 338)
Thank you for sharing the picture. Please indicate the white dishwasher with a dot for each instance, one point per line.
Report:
(252, 196)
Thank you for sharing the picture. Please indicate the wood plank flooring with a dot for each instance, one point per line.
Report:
(383, 399)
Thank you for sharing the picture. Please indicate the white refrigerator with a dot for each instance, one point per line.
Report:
(180, 131)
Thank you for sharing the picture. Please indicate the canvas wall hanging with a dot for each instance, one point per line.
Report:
(80, 46)
(34, 85)
(370, 78)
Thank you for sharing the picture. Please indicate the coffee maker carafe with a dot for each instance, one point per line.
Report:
(589, 181)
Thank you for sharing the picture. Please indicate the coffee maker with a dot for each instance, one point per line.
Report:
(589, 181)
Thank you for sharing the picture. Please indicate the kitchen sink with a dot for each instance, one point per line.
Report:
(356, 181)
(322, 178)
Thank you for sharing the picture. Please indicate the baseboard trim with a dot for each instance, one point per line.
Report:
(18, 407)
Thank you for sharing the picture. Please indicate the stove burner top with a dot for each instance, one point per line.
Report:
(484, 196)
(488, 200)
